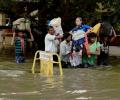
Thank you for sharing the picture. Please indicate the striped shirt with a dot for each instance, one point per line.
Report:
(18, 49)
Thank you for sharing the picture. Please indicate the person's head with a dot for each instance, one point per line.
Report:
(78, 21)
(67, 37)
(92, 37)
(51, 30)
(20, 34)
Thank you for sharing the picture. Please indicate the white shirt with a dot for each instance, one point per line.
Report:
(50, 44)
(65, 49)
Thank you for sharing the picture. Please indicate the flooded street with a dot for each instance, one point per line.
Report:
(18, 83)
(79, 30)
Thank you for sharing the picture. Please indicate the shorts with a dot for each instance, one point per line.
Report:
(20, 59)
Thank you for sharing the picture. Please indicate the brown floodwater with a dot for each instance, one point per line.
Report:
(18, 83)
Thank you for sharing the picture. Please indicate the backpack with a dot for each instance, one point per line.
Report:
(22, 24)
(106, 29)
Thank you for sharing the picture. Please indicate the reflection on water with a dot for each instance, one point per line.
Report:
(11, 73)
(17, 83)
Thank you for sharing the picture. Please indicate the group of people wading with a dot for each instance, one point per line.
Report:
(83, 46)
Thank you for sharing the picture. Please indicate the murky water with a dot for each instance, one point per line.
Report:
(17, 82)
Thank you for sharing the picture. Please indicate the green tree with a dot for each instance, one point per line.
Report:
(5, 4)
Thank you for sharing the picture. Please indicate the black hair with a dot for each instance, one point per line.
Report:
(79, 18)
(17, 31)
(91, 35)
(49, 27)
(105, 28)
(66, 35)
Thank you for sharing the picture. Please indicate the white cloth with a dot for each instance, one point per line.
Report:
(56, 23)
(79, 34)
(22, 24)
(65, 49)
(58, 30)
(75, 60)
(50, 44)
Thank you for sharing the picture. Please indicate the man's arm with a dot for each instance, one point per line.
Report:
(114, 35)
(58, 37)
(13, 38)
(31, 36)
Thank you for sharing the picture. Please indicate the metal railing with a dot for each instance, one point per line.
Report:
(46, 62)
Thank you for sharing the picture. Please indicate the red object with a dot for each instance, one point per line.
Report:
(86, 44)
(22, 44)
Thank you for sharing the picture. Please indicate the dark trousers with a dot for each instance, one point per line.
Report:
(20, 59)
(103, 59)
(65, 64)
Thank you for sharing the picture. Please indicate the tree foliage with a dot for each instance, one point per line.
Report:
(90, 11)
